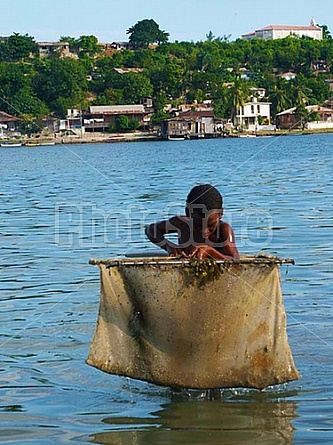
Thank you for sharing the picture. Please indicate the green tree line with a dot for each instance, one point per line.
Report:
(170, 72)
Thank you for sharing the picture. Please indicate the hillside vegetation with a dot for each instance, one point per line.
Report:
(170, 72)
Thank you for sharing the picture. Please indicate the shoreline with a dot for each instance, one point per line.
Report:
(145, 136)
(148, 136)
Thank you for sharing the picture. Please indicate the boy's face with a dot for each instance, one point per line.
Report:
(206, 225)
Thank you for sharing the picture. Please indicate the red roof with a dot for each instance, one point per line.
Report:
(5, 117)
(199, 113)
(289, 28)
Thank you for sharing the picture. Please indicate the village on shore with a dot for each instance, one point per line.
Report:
(252, 109)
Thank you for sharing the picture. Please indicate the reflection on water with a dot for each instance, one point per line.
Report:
(62, 206)
(204, 422)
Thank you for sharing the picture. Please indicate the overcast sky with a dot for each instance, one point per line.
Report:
(189, 20)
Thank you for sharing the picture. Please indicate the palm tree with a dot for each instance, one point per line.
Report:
(279, 96)
(300, 91)
(239, 94)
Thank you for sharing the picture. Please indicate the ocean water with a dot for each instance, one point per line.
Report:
(62, 205)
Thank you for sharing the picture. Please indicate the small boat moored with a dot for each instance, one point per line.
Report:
(11, 144)
(32, 144)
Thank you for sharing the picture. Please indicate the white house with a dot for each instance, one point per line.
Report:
(255, 116)
(273, 32)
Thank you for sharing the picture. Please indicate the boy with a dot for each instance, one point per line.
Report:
(201, 233)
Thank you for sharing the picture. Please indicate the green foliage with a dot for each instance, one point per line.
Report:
(172, 72)
(26, 102)
(326, 33)
(88, 46)
(73, 43)
(145, 32)
(18, 47)
(135, 86)
(123, 124)
(61, 84)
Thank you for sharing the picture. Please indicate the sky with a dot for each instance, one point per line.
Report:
(184, 20)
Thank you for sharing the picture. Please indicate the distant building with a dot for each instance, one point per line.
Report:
(8, 124)
(288, 118)
(100, 117)
(258, 92)
(190, 124)
(287, 76)
(254, 116)
(128, 70)
(48, 48)
(273, 32)
(119, 46)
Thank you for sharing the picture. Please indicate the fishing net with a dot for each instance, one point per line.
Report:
(193, 324)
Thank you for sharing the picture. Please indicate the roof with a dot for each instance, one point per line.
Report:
(197, 113)
(128, 70)
(52, 43)
(289, 28)
(317, 108)
(5, 117)
(288, 74)
(117, 109)
(249, 34)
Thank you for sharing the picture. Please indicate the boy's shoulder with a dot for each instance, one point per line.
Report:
(179, 220)
(225, 228)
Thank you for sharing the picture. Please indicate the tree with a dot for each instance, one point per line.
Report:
(88, 46)
(279, 97)
(145, 32)
(18, 47)
(61, 83)
(26, 102)
(300, 91)
(326, 32)
(302, 115)
(238, 95)
(73, 43)
(135, 86)
(124, 124)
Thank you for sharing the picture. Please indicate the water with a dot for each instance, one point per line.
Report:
(62, 205)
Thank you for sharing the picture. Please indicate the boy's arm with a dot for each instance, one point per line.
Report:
(228, 241)
(224, 249)
(156, 231)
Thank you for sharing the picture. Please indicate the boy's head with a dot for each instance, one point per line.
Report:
(204, 198)
(204, 205)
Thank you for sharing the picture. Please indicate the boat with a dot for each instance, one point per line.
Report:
(116, 137)
(32, 144)
(47, 143)
(199, 324)
(11, 144)
(176, 138)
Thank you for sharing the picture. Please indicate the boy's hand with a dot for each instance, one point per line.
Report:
(175, 251)
(203, 251)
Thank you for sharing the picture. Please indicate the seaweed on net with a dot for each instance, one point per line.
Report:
(206, 270)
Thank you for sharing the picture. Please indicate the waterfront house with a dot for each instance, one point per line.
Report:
(190, 124)
(323, 116)
(254, 116)
(9, 125)
(273, 32)
(100, 117)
